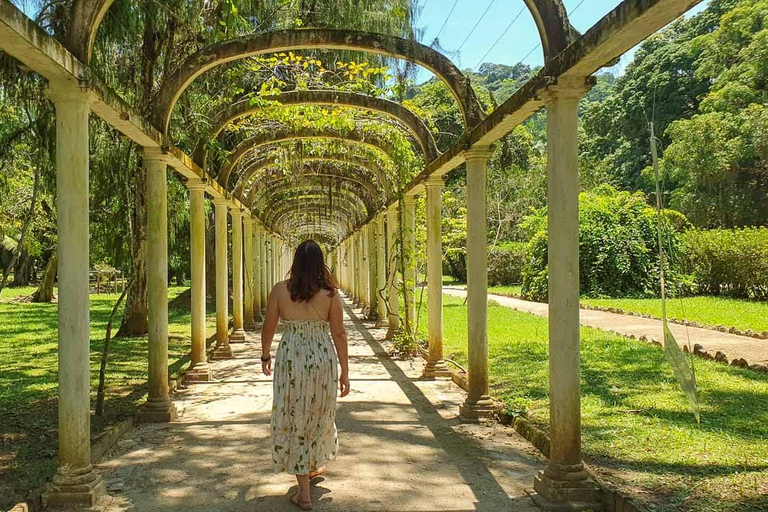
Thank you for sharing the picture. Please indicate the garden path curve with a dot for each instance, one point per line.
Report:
(754, 350)
(402, 448)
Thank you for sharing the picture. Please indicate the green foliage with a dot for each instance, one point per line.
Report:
(732, 262)
(505, 263)
(618, 248)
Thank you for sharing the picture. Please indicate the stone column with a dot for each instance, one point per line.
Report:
(263, 267)
(364, 265)
(75, 484)
(222, 350)
(478, 403)
(249, 280)
(371, 253)
(199, 370)
(270, 264)
(435, 366)
(409, 280)
(394, 318)
(381, 271)
(564, 480)
(158, 407)
(353, 269)
(238, 333)
(257, 261)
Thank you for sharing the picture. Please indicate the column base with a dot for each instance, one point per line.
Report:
(566, 488)
(477, 409)
(250, 326)
(435, 369)
(222, 351)
(392, 332)
(200, 372)
(237, 335)
(157, 411)
(381, 323)
(79, 489)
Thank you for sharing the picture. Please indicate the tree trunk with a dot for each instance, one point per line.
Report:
(21, 269)
(101, 390)
(44, 292)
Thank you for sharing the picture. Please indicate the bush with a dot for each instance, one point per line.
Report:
(731, 262)
(618, 247)
(455, 264)
(505, 264)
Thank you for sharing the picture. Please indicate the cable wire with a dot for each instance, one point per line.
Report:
(499, 38)
(475, 27)
(446, 19)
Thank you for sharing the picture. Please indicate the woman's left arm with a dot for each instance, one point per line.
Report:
(268, 329)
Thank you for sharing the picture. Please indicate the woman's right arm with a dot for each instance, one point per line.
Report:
(268, 328)
(339, 335)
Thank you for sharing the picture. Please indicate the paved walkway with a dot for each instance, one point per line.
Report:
(754, 350)
(402, 448)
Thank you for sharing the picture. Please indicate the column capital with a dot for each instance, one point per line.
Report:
(409, 199)
(564, 88)
(247, 219)
(156, 154)
(67, 93)
(434, 181)
(236, 211)
(197, 184)
(220, 201)
(477, 153)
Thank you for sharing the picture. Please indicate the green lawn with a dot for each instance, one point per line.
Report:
(637, 430)
(509, 291)
(712, 311)
(28, 381)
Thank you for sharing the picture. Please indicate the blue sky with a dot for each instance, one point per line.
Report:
(517, 44)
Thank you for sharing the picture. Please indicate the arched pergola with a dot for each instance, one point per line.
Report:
(333, 98)
(359, 223)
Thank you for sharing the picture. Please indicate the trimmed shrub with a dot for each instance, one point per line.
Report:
(731, 262)
(618, 246)
(505, 264)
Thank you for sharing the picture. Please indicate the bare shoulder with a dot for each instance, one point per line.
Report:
(280, 288)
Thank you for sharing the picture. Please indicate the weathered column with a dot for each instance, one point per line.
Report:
(381, 271)
(364, 266)
(270, 265)
(409, 279)
(394, 318)
(199, 370)
(478, 403)
(75, 483)
(257, 265)
(263, 268)
(435, 366)
(238, 333)
(222, 350)
(348, 268)
(248, 286)
(371, 253)
(158, 407)
(564, 479)
(353, 269)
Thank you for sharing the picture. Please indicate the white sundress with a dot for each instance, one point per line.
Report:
(306, 377)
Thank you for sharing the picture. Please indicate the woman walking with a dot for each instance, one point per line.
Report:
(303, 427)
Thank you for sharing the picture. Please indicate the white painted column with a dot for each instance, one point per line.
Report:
(371, 253)
(409, 279)
(257, 266)
(199, 370)
(365, 262)
(263, 268)
(75, 483)
(394, 315)
(478, 403)
(435, 366)
(381, 271)
(158, 407)
(222, 350)
(564, 479)
(238, 333)
(249, 279)
(353, 268)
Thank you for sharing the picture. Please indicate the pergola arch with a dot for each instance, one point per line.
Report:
(250, 169)
(357, 135)
(87, 16)
(340, 183)
(306, 39)
(337, 221)
(331, 98)
(555, 30)
(314, 203)
(342, 195)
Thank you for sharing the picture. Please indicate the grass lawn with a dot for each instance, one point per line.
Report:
(637, 431)
(28, 381)
(509, 291)
(713, 311)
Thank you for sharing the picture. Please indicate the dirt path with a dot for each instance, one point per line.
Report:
(401, 447)
(755, 351)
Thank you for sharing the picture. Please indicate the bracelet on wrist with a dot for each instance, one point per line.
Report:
(266, 358)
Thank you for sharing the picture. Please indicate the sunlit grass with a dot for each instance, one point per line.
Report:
(28, 381)
(637, 429)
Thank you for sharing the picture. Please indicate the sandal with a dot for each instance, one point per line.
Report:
(303, 505)
(318, 472)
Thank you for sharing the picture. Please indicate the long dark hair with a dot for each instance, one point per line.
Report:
(309, 273)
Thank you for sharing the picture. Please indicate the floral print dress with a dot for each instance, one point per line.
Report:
(306, 376)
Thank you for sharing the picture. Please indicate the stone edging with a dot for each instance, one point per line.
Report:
(613, 500)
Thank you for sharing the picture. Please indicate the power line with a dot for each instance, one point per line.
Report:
(499, 39)
(538, 45)
(475, 27)
(446, 19)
